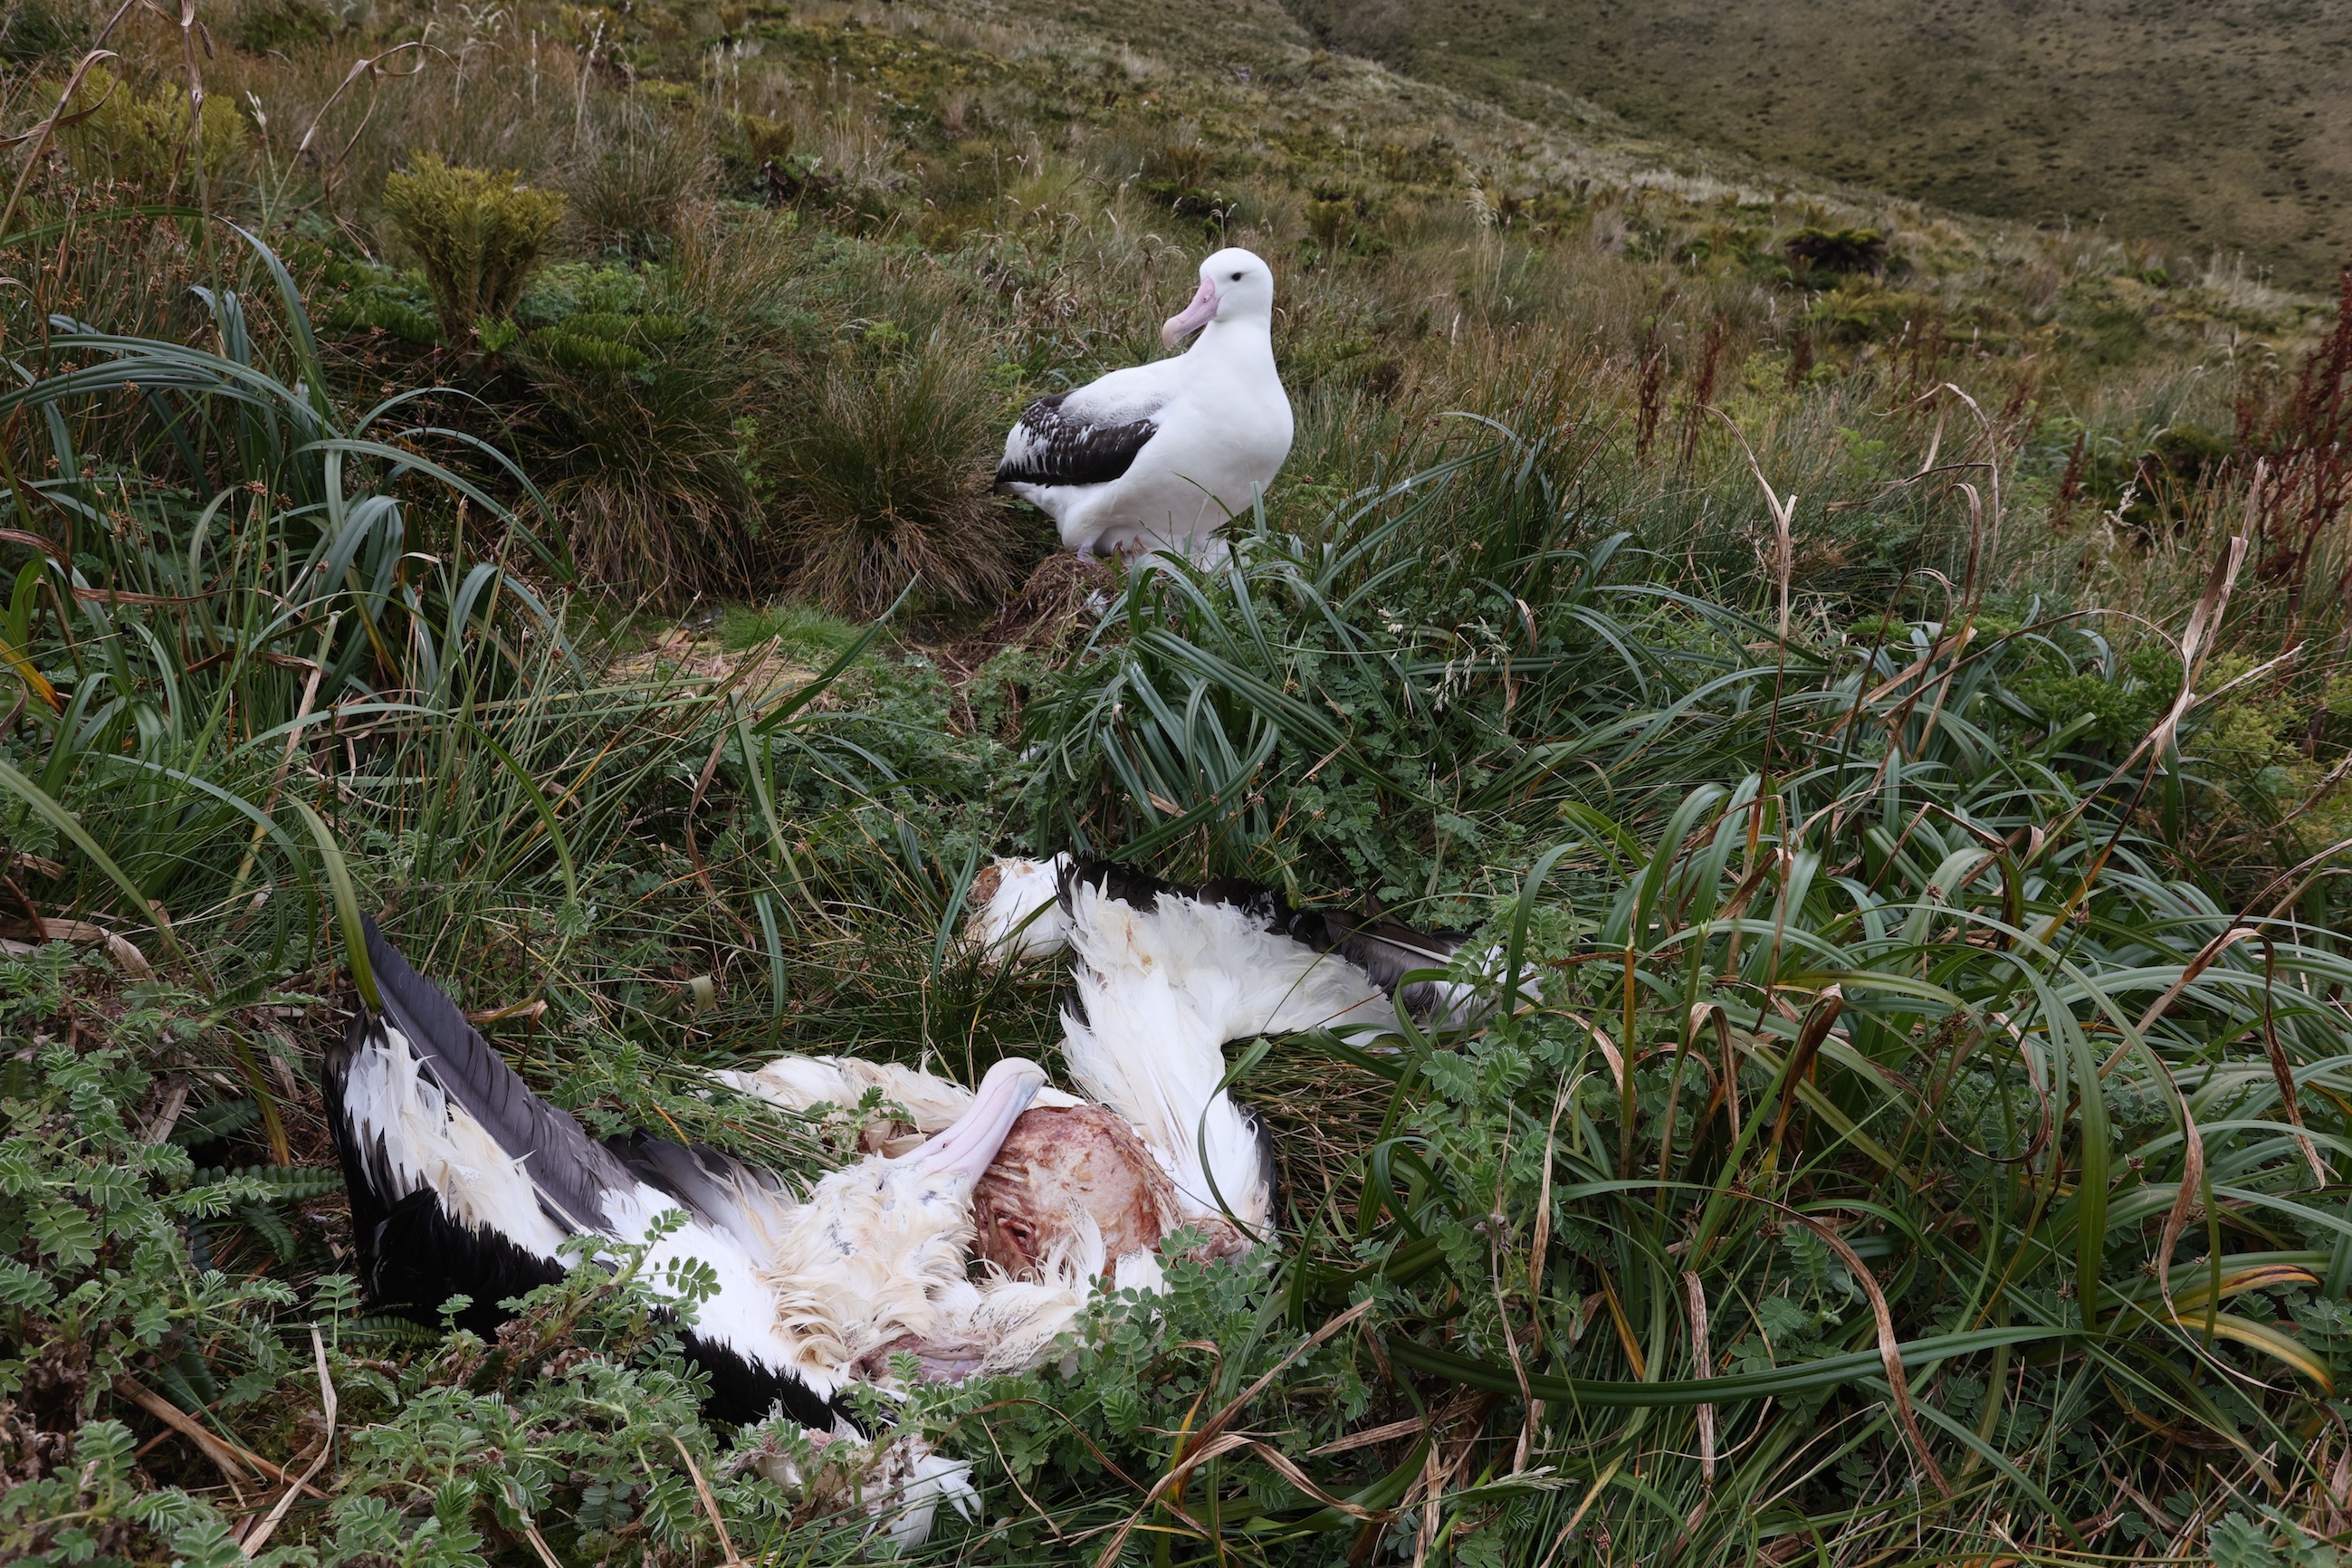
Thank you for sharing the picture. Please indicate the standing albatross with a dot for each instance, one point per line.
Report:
(1160, 457)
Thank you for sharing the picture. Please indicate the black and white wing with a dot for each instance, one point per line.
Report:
(1387, 950)
(734, 1336)
(1090, 435)
(1384, 948)
(571, 1173)
(464, 1182)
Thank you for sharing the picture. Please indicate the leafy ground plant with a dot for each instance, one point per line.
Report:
(476, 232)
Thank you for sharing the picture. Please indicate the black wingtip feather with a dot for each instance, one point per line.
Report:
(570, 1170)
(742, 1392)
(1384, 948)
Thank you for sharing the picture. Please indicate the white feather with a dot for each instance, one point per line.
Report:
(1461, 1004)
(1163, 991)
(1020, 1319)
(1236, 975)
(742, 1314)
(932, 1479)
(1021, 919)
(876, 1253)
(901, 1483)
(1138, 1270)
(800, 1084)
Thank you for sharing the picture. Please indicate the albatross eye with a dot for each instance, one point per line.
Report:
(1237, 276)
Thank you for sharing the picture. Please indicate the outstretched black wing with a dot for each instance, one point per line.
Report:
(571, 1171)
(414, 1253)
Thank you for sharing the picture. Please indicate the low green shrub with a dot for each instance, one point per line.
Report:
(800, 632)
(1835, 252)
(142, 139)
(372, 298)
(477, 233)
(99, 1293)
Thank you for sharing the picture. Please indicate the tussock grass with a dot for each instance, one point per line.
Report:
(646, 473)
(884, 487)
(637, 191)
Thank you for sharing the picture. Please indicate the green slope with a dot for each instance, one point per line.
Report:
(2191, 124)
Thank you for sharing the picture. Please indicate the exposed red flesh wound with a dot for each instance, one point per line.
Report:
(1084, 1158)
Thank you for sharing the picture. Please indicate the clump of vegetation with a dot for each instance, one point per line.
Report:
(476, 232)
(882, 487)
(372, 297)
(644, 416)
(1835, 253)
(266, 26)
(654, 491)
(142, 139)
(33, 32)
(636, 191)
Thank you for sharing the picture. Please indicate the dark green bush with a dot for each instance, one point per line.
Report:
(372, 297)
(266, 27)
(1835, 252)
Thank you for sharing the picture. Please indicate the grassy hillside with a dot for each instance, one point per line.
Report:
(522, 473)
(2197, 127)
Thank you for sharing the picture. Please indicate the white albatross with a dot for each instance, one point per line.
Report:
(1158, 457)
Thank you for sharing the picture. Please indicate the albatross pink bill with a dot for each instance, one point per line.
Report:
(1193, 317)
(965, 1149)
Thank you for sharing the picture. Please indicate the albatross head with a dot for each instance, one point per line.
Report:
(1235, 285)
